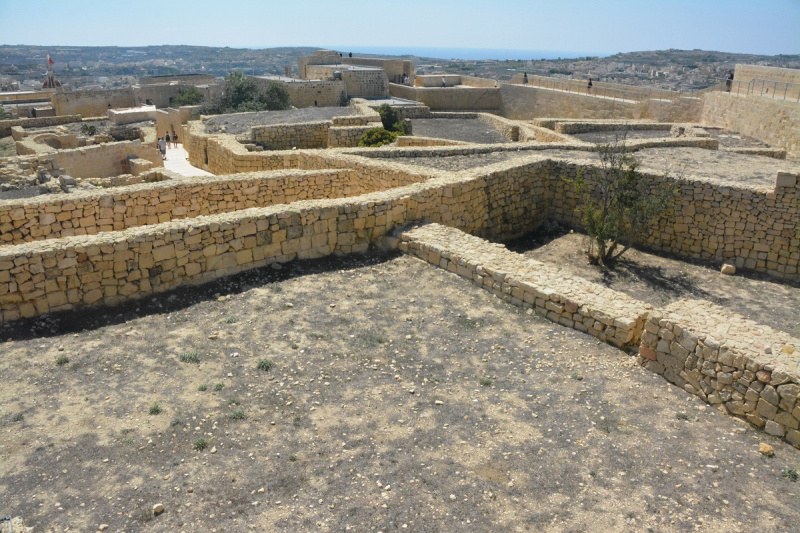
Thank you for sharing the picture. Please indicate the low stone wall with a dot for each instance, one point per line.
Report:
(346, 137)
(775, 153)
(131, 115)
(571, 127)
(410, 140)
(288, 136)
(42, 122)
(727, 359)
(104, 160)
(570, 301)
(530, 133)
(451, 98)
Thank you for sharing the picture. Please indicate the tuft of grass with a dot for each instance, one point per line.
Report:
(128, 442)
(265, 365)
(19, 417)
(202, 388)
(485, 382)
(231, 320)
(176, 421)
(238, 414)
(593, 472)
(789, 474)
(189, 357)
(683, 416)
(293, 458)
(125, 431)
(155, 409)
(200, 444)
(218, 386)
(62, 360)
(576, 376)
(234, 401)
(294, 346)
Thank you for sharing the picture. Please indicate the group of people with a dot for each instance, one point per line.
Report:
(164, 142)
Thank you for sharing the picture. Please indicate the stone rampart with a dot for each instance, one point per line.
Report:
(450, 98)
(93, 103)
(288, 136)
(411, 140)
(746, 73)
(776, 122)
(346, 136)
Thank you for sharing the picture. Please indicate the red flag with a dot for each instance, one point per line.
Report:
(49, 60)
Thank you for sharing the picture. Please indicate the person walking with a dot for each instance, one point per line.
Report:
(525, 78)
(589, 87)
(174, 139)
(162, 147)
(729, 81)
(444, 82)
(167, 138)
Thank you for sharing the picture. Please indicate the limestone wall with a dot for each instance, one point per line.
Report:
(288, 136)
(394, 67)
(746, 73)
(87, 213)
(309, 93)
(410, 140)
(93, 103)
(128, 116)
(452, 98)
(42, 122)
(726, 359)
(159, 94)
(104, 160)
(188, 79)
(776, 122)
(347, 136)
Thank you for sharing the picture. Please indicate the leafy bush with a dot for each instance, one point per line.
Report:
(188, 96)
(241, 94)
(617, 203)
(391, 120)
(377, 137)
(88, 129)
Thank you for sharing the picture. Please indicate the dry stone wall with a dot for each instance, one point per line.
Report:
(726, 359)
(42, 122)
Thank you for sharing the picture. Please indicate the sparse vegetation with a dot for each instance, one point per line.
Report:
(19, 417)
(264, 365)
(486, 382)
(241, 94)
(789, 474)
(189, 357)
(155, 409)
(219, 386)
(62, 360)
(238, 414)
(231, 320)
(176, 421)
(617, 202)
(188, 96)
(88, 129)
(203, 387)
(376, 137)
(293, 457)
(200, 444)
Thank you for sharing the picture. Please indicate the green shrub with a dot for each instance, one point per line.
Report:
(388, 116)
(241, 94)
(265, 365)
(188, 96)
(402, 128)
(189, 357)
(62, 360)
(88, 129)
(155, 409)
(200, 444)
(377, 137)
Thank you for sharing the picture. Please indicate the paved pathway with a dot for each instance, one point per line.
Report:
(178, 162)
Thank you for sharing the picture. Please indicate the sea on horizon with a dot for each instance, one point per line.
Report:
(464, 53)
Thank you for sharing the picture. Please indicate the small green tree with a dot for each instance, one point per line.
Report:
(241, 94)
(377, 137)
(617, 203)
(188, 96)
(391, 120)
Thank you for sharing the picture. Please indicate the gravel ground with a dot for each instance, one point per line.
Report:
(242, 122)
(660, 280)
(609, 136)
(399, 398)
(722, 167)
(732, 139)
(456, 129)
(454, 163)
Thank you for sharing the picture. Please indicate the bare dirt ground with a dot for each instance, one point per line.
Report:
(660, 280)
(455, 163)
(456, 129)
(609, 136)
(722, 167)
(7, 147)
(399, 398)
(237, 123)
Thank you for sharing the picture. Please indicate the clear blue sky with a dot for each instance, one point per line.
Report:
(591, 26)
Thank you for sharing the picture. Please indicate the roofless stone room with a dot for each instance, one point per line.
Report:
(427, 268)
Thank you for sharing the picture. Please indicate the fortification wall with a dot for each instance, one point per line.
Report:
(288, 136)
(42, 122)
(93, 103)
(450, 99)
(394, 68)
(187, 79)
(776, 122)
(322, 93)
(160, 94)
(346, 136)
(746, 73)
(128, 116)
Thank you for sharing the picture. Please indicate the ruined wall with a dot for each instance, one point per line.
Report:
(288, 136)
(103, 160)
(43, 122)
(774, 121)
(93, 103)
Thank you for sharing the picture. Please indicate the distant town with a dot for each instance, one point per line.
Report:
(80, 68)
